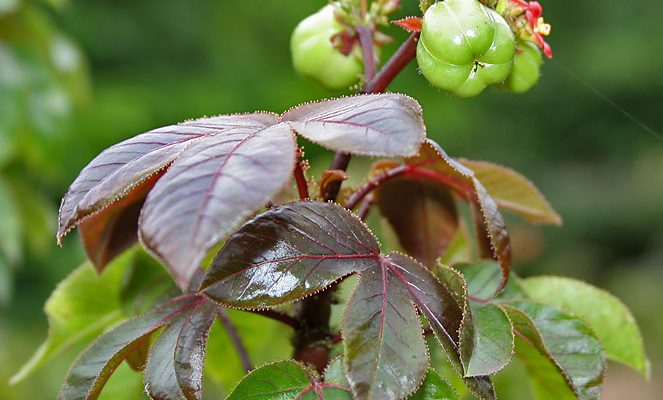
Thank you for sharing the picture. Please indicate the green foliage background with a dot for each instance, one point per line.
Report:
(151, 63)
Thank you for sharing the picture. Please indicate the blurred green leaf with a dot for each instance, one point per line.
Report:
(567, 342)
(10, 227)
(81, 307)
(483, 278)
(607, 315)
(6, 282)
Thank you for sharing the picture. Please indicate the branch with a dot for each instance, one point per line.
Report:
(302, 184)
(406, 53)
(277, 316)
(462, 189)
(236, 340)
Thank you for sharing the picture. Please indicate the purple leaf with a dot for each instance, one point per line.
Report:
(190, 351)
(109, 232)
(493, 237)
(372, 125)
(288, 253)
(175, 364)
(212, 187)
(442, 304)
(118, 169)
(96, 364)
(385, 352)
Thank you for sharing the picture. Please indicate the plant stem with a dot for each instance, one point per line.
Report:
(236, 340)
(358, 196)
(302, 184)
(311, 340)
(277, 316)
(365, 207)
(394, 66)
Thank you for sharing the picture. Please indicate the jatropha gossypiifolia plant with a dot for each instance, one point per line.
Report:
(237, 188)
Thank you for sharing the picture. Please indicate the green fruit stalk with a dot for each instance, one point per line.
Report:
(464, 47)
(314, 54)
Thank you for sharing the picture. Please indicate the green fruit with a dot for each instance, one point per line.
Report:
(526, 68)
(464, 47)
(314, 55)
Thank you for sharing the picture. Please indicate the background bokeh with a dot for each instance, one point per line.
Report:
(77, 76)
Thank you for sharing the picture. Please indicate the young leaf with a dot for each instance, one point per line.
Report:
(91, 370)
(566, 341)
(483, 279)
(442, 304)
(609, 318)
(212, 187)
(433, 160)
(286, 380)
(434, 388)
(423, 215)
(486, 339)
(80, 307)
(513, 192)
(385, 353)
(372, 124)
(123, 166)
(288, 253)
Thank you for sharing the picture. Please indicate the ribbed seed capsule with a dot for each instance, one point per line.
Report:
(464, 47)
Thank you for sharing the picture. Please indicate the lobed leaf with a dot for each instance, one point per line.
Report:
(513, 192)
(89, 373)
(612, 321)
(80, 307)
(385, 353)
(288, 253)
(493, 236)
(371, 124)
(566, 341)
(212, 187)
(287, 380)
(423, 215)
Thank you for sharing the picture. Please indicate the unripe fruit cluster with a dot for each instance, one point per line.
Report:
(465, 47)
(315, 56)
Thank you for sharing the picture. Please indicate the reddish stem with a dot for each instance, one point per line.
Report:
(236, 340)
(278, 316)
(394, 66)
(302, 183)
(462, 189)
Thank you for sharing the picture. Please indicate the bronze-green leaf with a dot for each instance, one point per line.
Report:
(513, 192)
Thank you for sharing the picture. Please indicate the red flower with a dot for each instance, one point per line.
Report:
(538, 27)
